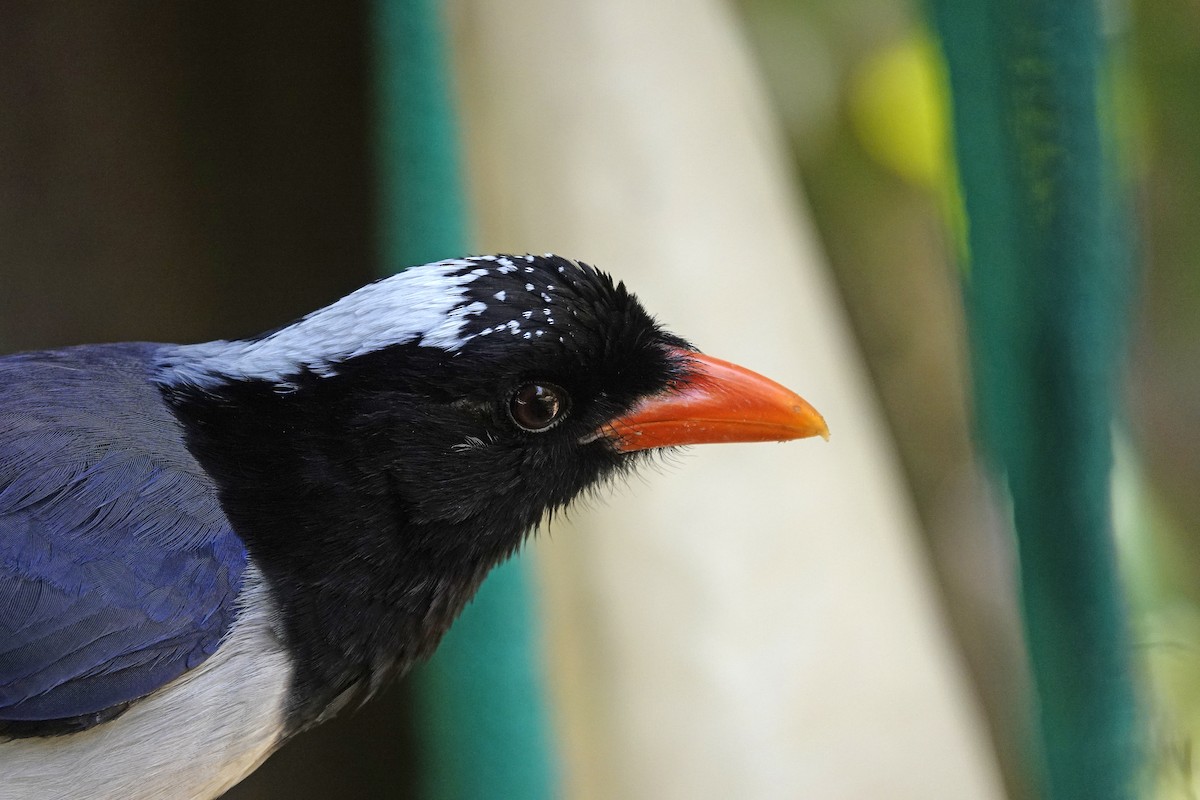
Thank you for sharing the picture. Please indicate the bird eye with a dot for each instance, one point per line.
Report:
(538, 406)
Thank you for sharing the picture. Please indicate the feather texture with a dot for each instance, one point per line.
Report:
(118, 569)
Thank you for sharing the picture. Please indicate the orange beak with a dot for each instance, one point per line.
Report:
(716, 402)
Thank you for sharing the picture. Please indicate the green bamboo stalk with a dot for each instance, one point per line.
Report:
(1046, 287)
(481, 713)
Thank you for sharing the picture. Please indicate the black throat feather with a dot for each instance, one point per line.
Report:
(368, 573)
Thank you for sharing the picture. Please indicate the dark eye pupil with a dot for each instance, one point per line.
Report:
(537, 406)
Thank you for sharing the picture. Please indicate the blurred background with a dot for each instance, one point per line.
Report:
(183, 171)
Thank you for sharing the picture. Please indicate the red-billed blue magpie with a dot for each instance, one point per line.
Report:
(206, 549)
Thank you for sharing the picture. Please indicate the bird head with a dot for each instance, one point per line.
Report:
(499, 386)
(382, 453)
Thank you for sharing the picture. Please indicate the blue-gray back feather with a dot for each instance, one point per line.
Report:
(118, 568)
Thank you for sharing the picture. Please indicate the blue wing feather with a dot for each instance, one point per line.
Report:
(118, 568)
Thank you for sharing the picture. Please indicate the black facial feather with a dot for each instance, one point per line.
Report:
(376, 497)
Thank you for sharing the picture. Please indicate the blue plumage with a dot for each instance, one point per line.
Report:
(118, 569)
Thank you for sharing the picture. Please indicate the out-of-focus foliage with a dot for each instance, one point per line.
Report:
(899, 108)
(861, 92)
(898, 105)
(876, 169)
(828, 67)
(1163, 531)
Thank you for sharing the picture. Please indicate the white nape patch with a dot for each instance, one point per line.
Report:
(529, 287)
(194, 738)
(421, 304)
(528, 259)
(500, 295)
(527, 314)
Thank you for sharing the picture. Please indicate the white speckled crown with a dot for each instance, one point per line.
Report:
(429, 305)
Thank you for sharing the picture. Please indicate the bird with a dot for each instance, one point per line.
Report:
(207, 549)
